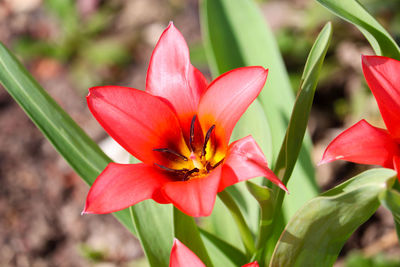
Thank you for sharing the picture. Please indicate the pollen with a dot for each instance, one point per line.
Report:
(201, 159)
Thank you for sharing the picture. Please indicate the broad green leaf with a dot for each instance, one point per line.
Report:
(221, 252)
(352, 11)
(153, 223)
(81, 152)
(317, 232)
(391, 200)
(236, 35)
(187, 232)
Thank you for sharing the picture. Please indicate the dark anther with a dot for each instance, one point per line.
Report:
(191, 137)
(180, 171)
(186, 177)
(208, 134)
(218, 163)
(167, 150)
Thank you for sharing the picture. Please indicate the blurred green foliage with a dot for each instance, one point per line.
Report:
(359, 260)
(83, 42)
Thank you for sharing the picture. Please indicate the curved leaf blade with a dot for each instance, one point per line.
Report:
(153, 223)
(224, 254)
(317, 232)
(301, 111)
(187, 232)
(391, 200)
(352, 11)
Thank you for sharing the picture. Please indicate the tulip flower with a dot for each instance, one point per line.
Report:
(179, 128)
(364, 143)
(182, 256)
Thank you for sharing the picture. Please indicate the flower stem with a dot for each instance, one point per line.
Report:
(245, 233)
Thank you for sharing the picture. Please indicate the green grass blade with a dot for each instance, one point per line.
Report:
(81, 152)
(352, 11)
(317, 232)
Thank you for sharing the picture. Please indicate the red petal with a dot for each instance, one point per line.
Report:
(122, 185)
(245, 160)
(362, 143)
(138, 121)
(195, 197)
(182, 256)
(228, 97)
(396, 164)
(383, 77)
(172, 76)
(251, 264)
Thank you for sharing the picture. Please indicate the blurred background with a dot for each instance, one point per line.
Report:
(70, 46)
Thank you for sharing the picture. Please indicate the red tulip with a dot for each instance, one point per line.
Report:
(364, 143)
(179, 128)
(182, 256)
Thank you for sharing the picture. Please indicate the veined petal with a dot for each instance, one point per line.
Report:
(383, 77)
(362, 143)
(172, 76)
(195, 197)
(122, 185)
(182, 256)
(138, 121)
(245, 160)
(227, 98)
(251, 264)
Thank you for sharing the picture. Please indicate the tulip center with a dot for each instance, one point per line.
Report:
(201, 159)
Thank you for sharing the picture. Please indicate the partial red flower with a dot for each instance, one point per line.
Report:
(364, 143)
(182, 256)
(180, 129)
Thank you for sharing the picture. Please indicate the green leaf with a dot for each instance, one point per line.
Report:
(244, 230)
(301, 111)
(188, 233)
(317, 232)
(252, 122)
(221, 252)
(81, 152)
(352, 11)
(391, 200)
(264, 197)
(154, 229)
(153, 225)
(236, 35)
(221, 223)
(155, 237)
